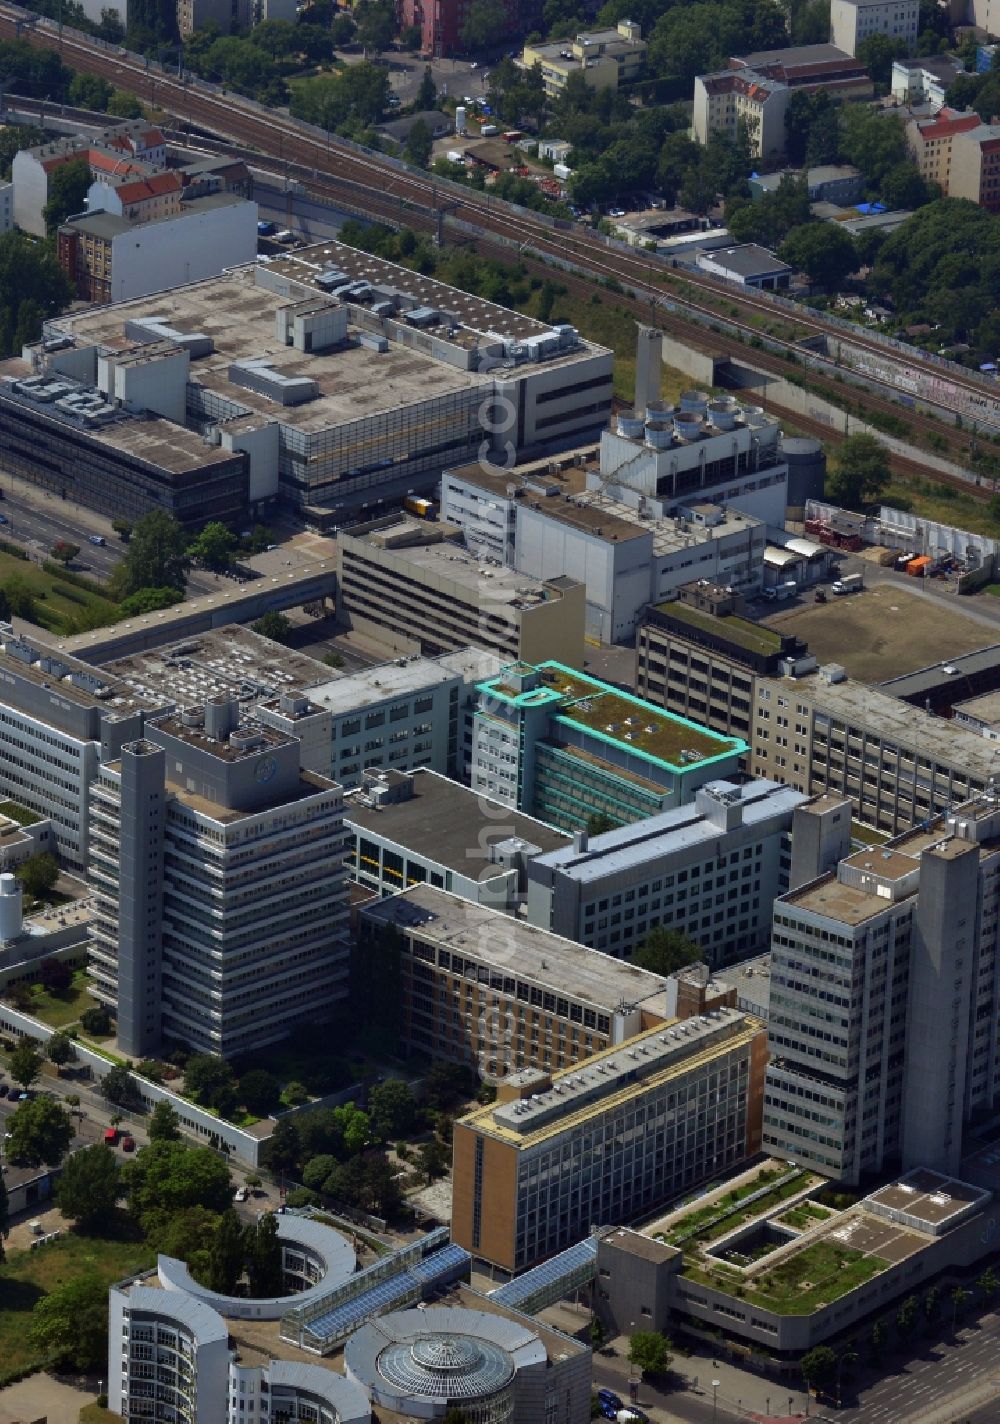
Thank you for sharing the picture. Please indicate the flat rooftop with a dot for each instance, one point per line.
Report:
(680, 828)
(929, 1199)
(985, 709)
(831, 897)
(229, 750)
(376, 684)
(754, 637)
(232, 660)
(449, 560)
(146, 437)
(35, 661)
(443, 819)
(522, 949)
(472, 312)
(949, 672)
(617, 717)
(898, 722)
(606, 1080)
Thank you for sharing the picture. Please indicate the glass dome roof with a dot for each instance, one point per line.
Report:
(446, 1366)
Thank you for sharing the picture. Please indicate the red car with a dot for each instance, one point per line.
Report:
(128, 1143)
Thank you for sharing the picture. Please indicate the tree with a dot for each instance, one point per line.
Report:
(664, 951)
(118, 1086)
(485, 21)
(64, 552)
(123, 528)
(164, 1124)
(123, 105)
(392, 1108)
(149, 600)
(187, 1235)
(25, 1062)
(87, 1191)
(906, 1317)
(70, 1325)
(376, 23)
(861, 472)
(168, 1177)
(433, 1159)
(56, 975)
(988, 1284)
(823, 251)
(819, 1366)
(259, 1091)
(427, 92)
(214, 545)
(38, 874)
(68, 188)
(878, 1339)
(263, 1257)
(60, 1049)
(877, 53)
(282, 1149)
(96, 1020)
(40, 1134)
(156, 556)
(419, 145)
(207, 1077)
(959, 1299)
(598, 822)
(87, 91)
(227, 1254)
(295, 1094)
(275, 626)
(650, 1352)
(317, 1171)
(14, 137)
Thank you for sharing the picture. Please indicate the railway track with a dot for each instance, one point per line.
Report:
(332, 169)
(278, 136)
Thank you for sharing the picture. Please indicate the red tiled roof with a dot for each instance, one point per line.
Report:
(946, 128)
(155, 186)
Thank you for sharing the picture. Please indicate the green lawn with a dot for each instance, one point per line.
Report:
(804, 1216)
(60, 1010)
(60, 606)
(28, 1275)
(696, 1223)
(16, 812)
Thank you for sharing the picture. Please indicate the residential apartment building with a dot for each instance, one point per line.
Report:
(112, 257)
(484, 988)
(931, 143)
(755, 91)
(58, 719)
(710, 870)
(609, 1140)
(607, 59)
(418, 581)
(699, 658)
(926, 80)
(217, 872)
(975, 166)
(854, 21)
(408, 828)
(885, 1001)
(564, 746)
(558, 517)
(896, 764)
(129, 149)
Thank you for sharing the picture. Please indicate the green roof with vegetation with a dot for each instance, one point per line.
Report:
(754, 637)
(14, 811)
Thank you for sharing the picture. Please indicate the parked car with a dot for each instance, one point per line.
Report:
(611, 1397)
(4, 1089)
(111, 1137)
(608, 1411)
(267, 228)
(128, 1143)
(241, 1194)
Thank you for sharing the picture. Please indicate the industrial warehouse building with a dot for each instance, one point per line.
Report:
(332, 379)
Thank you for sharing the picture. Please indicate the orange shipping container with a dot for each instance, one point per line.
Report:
(917, 567)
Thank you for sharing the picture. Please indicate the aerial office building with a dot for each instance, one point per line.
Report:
(608, 1140)
(331, 379)
(885, 1001)
(710, 869)
(216, 866)
(482, 987)
(565, 746)
(820, 731)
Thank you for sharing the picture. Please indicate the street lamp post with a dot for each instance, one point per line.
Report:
(715, 1402)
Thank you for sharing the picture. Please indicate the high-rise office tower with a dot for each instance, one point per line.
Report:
(217, 869)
